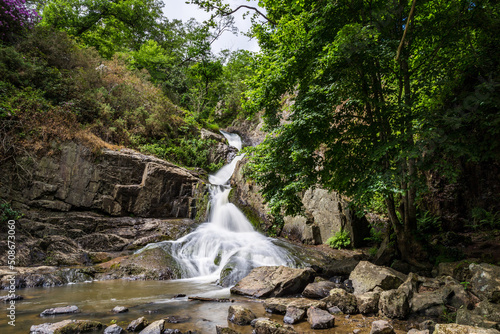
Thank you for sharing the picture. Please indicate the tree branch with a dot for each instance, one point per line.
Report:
(400, 47)
(249, 7)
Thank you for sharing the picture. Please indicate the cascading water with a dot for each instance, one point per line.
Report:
(227, 246)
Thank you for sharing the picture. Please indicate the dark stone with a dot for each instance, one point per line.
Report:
(293, 315)
(381, 327)
(60, 310)
(320, 319)
(137, 325)
(319, 290)
(113, 329)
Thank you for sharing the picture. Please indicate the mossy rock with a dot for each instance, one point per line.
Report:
(80, 326)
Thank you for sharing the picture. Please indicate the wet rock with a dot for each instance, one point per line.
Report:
(206, 134)
(137, 325)
(368, 302)
(319, 289)
(120, 309)
(154, 263)
(345, 301)
(485, 281)
(293, 315)
(60, 310)
(174, 319)
(381, 327)
(240, 315)
(462, 329)
(225, 330)
(320, 319)
(274, 281)
(9, 297)
(155, 327)
(113, 329)
(66, 326)
(254, 321)
(367, 277)
(280, 305)
(416, 331)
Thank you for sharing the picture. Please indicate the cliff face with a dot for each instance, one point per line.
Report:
(80, 207)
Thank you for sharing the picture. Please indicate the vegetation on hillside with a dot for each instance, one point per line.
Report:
(110, 76)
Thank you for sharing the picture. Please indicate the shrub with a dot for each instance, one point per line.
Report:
(15, 18)
(341, 239)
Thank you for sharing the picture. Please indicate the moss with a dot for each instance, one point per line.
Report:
(79, 327)
(258, 223)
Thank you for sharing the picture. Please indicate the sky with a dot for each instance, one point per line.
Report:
(178, 9)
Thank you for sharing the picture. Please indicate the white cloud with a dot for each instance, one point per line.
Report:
(178, 9)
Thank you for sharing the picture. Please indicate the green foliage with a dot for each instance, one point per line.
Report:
(7, 213)
(192, 152)
(427, 223)
(485, 219)
(340, 240)
(465, 284)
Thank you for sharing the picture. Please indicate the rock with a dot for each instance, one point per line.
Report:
(327, 213)
(382, 327)
(455, 294)
(367, 277)
(205, 134)
(334, 310)
(225, 330)
(273, 281)
(427, 325)
(113, 329)
(458, 270)
(368, 302)
(416, 331)
(319, 289)
(155, 327)
(293, 315)
(462, 329)
(429, 303)
(469, 317)
(120, 309)
(174, 319)
(320, 319)
(485, 281)
(66, 326)
(254, 321)
(488, 310)
(396, 303)
(341, 267)
(345, 301)
(60, 310)
(240, 315)
(267, 326)
(9, 297)
(280, 305)
(137, 325)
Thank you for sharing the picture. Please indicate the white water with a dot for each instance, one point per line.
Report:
(227, 241)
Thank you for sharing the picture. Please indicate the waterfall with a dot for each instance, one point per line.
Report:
(227, 243)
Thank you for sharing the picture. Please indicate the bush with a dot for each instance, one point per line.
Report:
(340, 240)
(15, 18)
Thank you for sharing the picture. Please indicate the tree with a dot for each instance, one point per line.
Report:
(109, 26)
(15, 18)
(367, 80)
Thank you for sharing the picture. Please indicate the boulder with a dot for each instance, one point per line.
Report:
(224, 330)
(326, 213)
(320, 319)
(462, 329)
(175, 319)
(274, 281)
(155, 327)
(280, 305)
(458, 270)
(368, 302)
(113, 329)
(60, 310)
(345, 301)
(485, 281)
(382, 327)
(472, 318)
(9, 297)
(240, 315)
(416, 331)
(367, 277)
(137, 325)
(396, 303)
(319, 289)
(120, 309)
(267, 326)
(67, 326)
(429, 303)
(293, 315)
